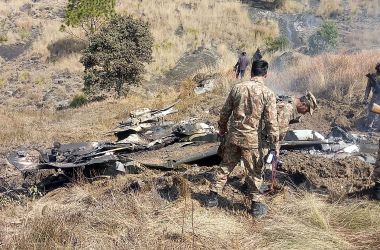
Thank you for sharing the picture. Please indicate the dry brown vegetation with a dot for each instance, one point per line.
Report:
(328, 8)
(180, 26)
(295, 6)
(102, 215)
(336, 76)
(371, 6)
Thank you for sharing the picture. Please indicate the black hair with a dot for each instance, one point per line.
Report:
(259, 68)
(244, 53)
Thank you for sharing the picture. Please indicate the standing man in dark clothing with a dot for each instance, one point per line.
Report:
(257, 56)
(241, 65)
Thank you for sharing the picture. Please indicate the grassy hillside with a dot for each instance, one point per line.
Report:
(106, 214)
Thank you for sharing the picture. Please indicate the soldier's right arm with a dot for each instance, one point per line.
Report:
(226, 112)
(271, 122)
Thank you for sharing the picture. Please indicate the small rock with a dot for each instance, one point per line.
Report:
(58, 81)
(205, 86)
(63, 105)
(26, 8)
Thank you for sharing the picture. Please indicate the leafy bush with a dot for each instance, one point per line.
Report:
(325, 39)
(276, 44)
(88, 14)
(3, 38)
(117, 54)
(78, 101)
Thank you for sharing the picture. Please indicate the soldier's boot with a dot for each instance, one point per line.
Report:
(212, 200)
(258, 209)
(376, 191)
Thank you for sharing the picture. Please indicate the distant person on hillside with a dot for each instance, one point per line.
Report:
(257, 56)
(241, 65)
(373, 85)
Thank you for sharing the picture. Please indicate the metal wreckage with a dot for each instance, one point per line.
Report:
(146, 140)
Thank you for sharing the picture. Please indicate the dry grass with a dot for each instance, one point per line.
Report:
(329, 8)
(364, 38)
(88, 123)
(100, 215)
(337, 76)
(10, 7)
(50, 33)
(295, 6)
(198, 23)
(371, 6)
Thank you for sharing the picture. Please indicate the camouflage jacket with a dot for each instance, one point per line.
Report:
(249, 107)
(287, 114)
(374, 86)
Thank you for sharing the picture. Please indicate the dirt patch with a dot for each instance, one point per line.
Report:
(336, 176)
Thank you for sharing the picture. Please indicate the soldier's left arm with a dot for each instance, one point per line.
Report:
(271, 122)
(226, 112)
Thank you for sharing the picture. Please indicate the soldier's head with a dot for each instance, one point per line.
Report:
(377, 67)
(259, 68)
(307, 103)
(243, 53)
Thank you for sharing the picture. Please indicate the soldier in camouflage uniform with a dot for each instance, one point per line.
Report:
(376, 175)
(376, 172)
(249, 106)
(290, 109)
(373, 85)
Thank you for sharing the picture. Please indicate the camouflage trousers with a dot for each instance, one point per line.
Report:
(232, 156)
(376, 171)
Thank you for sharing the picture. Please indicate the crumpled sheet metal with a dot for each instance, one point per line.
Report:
(68, 156)
(303, 135)
(147, 116)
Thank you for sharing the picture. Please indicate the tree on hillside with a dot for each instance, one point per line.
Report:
(116, 54)
(90, 15)
(325, 39)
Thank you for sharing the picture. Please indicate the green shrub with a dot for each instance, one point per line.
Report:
(2, 82)
(78, 101)
(24, 76)
(3, 38)
(116, 55)
(325, 39)
(88, 14)
(276, 44)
